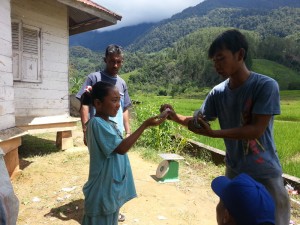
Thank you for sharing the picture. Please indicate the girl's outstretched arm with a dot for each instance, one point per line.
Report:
(128, 142)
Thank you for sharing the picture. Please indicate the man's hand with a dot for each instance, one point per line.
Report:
(167, 111)
(204, 129)
(172, 115)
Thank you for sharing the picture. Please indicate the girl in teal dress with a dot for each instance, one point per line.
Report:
(110, 183)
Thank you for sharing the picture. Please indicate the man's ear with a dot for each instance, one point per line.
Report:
(104, 59)
(241, 54)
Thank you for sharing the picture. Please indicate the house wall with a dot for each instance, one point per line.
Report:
(7, 118)
(50, 96)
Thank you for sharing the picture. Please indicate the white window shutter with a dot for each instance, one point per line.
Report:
(31, 54)
(16, 49)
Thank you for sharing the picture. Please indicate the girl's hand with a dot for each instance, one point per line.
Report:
(154, 121)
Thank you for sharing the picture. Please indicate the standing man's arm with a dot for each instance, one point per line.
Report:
(126, 122)
(126, 114)
(249, 131)
(84, 116)
(85, 100)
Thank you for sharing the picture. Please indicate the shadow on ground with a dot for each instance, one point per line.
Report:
(36, 146)
(70, 211)
(24, 163)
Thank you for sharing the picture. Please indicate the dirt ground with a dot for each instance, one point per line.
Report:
(50, 190)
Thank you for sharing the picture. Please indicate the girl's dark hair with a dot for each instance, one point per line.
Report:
(100, 90)
(232, 40)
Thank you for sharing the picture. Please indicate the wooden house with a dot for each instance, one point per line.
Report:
(34, 61)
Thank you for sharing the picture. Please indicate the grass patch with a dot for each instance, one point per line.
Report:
(285, 77)
(125, 76)
(31, 145)
(286, 126)
(290, 106)
(288, 145)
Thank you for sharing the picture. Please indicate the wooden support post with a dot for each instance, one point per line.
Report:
(64, 139)
(12, 163)
(11, 157)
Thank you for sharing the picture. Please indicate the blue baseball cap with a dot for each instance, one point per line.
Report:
(246, 200)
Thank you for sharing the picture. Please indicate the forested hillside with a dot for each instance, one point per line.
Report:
(185, 68)
(264, 16)
(267, 23)
(98, 41)
(265, 5)
(170, 58)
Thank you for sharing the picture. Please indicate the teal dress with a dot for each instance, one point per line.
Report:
(110, 183)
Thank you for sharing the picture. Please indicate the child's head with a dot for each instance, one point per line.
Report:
(106, 99)
(243, 200)
(232, 40)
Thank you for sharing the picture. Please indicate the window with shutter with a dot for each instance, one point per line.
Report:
(16, 49)
(26, 52)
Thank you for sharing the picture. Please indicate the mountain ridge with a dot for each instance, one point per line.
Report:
(97, 41)
(242, 14)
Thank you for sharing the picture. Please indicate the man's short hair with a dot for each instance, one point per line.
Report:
(113, 49)
(232, 40)
(246, 200)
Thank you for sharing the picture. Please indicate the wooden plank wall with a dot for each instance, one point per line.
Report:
(7, 109)
(50, 97)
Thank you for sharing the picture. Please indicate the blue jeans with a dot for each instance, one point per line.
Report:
(276, 188)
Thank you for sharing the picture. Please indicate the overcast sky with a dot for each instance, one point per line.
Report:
(139, 11)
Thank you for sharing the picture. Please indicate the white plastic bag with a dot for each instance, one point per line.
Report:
(9, 203)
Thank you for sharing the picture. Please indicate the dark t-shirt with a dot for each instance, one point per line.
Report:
(125, 101)
(95, 77)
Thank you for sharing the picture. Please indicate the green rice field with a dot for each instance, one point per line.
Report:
(286, 126)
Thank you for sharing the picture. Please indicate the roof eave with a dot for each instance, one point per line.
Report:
(95, 17)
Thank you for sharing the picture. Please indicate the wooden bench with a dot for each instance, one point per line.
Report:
(63, 125)
(11, 139)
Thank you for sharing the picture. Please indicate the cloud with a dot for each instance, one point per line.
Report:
(139, 11)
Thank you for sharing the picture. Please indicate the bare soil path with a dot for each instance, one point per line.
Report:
(50, 190)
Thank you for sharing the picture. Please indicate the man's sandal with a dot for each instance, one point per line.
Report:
(121, 217)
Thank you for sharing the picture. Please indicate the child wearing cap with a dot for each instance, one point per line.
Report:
(243, 201)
